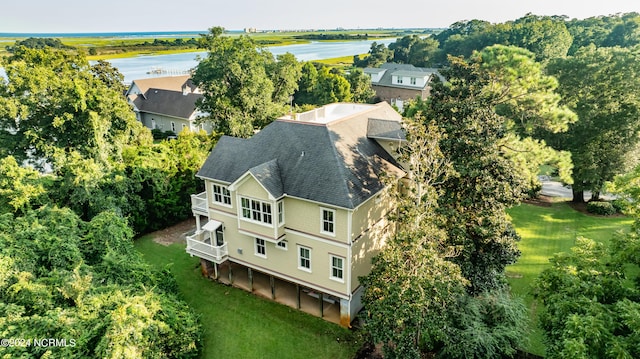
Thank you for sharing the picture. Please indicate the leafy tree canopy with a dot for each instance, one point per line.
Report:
(61, 277)
(53, 103)
(244, 87)
(601, 85)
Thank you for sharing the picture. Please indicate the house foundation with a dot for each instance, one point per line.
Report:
(324, 305)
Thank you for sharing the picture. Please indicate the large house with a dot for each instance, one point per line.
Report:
(166, 103)
(397, 83)
(296, 212)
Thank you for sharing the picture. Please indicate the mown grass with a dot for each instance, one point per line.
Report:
(237, 324)
(546, 231)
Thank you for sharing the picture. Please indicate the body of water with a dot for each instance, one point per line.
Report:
(146, 66)
(163, 65)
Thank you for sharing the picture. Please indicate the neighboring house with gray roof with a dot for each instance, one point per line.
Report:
(166, 103)
(296, 212)
(398, 83)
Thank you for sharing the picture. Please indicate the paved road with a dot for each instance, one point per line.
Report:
(556, 189)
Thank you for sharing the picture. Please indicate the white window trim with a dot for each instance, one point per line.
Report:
(222, 189)
(283, 248)
(255, 247)
(337, 279)
(300, 257)
(322, 209)
(280, 205)
(251, 220)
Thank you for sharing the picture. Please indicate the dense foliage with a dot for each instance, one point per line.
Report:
(483, 182)
(602, 86)
(75, 277)
(244, 87)
(591, 305)
(84, 283)
(416, 299)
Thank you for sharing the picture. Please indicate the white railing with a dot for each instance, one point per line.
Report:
(200, 245)
(199, 202)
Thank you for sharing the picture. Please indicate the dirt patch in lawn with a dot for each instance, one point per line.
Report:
(176, 233)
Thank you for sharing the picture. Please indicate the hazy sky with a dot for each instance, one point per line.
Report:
(172, 15)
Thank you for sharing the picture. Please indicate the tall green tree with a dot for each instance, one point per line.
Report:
(378, 55)
(626, 33)
(602, 86)
(306, 85)
(53, 104)
(484, 182)
(84, 282)
(244, 89)
(528, 100)
(415, 50)
(415, 298)
(411, 287)
(331, 87)
(545, 36)
(285, 74)
(360, 86)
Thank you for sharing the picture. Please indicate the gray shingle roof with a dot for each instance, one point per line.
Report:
(167, 102)
(402, 70)
(385, 129)
(332, 163)
(268, 174)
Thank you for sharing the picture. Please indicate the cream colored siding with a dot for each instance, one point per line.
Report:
(366, 247)
(285, 262)
(249, 187)
(305, 216)
(370, 212)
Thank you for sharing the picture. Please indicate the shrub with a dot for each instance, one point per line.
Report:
(158, 134)
(620, 205)
(601, 208)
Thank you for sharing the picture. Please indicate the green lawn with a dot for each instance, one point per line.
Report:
(237, 324)
(546, 231)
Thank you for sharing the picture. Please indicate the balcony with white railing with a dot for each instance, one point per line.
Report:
(200, 244)
(199, 204)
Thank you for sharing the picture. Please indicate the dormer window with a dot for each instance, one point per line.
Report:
(399, 79)
(413, 80)
(256, 211)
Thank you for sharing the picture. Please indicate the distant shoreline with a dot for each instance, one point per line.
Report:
(135, 34)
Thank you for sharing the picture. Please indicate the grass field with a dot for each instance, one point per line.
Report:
(546, 231)
(237, 324)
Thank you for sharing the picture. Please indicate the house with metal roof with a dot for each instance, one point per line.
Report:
(296, 212)
(166, 103)
(398, 83)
